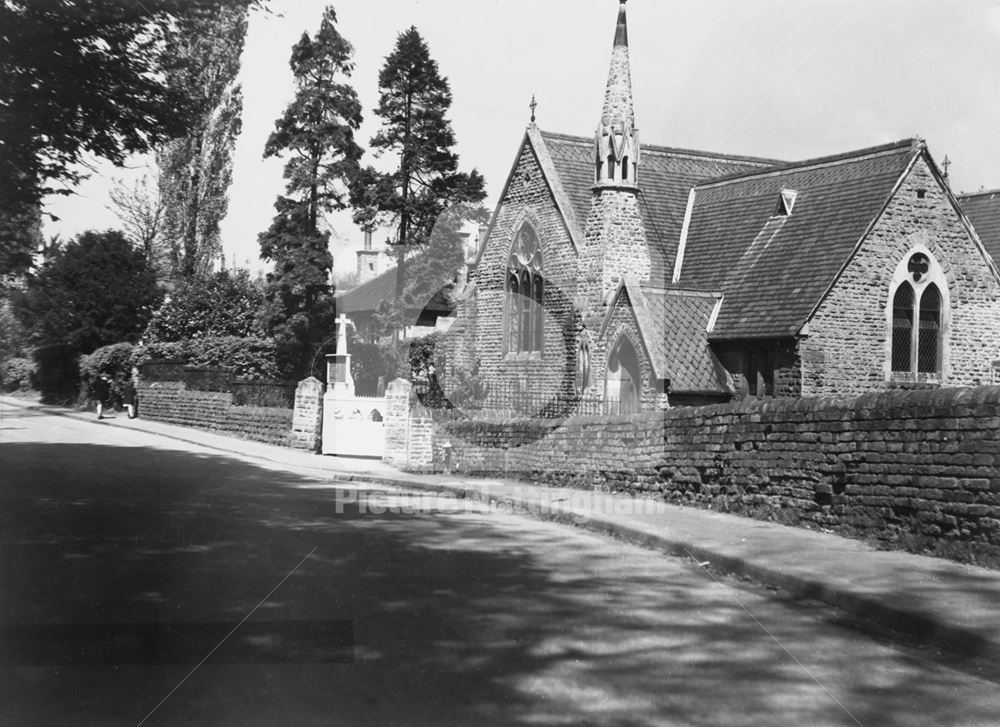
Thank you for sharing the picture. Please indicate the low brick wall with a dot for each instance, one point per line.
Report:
(171, 402)
(895, 466)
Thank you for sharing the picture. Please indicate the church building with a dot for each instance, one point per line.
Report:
(650, 276)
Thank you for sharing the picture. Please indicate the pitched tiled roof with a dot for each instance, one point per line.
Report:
(368, 295)
(673, 324)
(774, 269)
(983, 211)
(666, 176)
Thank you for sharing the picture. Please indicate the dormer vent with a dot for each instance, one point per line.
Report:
(785, 202)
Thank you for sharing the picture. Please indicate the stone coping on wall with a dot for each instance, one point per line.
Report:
(917, 468)
(173, 403)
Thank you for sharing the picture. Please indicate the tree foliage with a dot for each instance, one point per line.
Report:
(218, 304)
(197, 167)
(141, 208)
(114, 360)
(81, 78)
(316, 133)
(413, 104)
(250, 358)
(93, 291)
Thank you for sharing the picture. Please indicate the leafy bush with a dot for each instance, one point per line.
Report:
(223, 304)
(16, 374)
(371, 361)
(158, 351)
(114, 360)
(467, 389)
(251, 358)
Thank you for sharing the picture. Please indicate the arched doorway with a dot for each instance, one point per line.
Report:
(623, 387)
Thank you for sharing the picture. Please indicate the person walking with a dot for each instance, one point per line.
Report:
(128, 398)
(102, 390)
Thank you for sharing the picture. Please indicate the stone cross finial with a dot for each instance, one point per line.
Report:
(946, 163)
(533, 105)
(342, 323)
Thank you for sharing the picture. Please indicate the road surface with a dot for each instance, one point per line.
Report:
(148, 581)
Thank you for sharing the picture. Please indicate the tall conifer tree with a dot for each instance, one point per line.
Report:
(413, 105)
(316, 131)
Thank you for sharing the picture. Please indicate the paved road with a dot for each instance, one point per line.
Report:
(145, 581)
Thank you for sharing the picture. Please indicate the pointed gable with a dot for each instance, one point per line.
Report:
(773, 268)
(673, 325)
(535, 142)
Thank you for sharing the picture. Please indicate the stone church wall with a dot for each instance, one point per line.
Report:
(171, 402)
(846, 351)
(910, 468)
(528, 199)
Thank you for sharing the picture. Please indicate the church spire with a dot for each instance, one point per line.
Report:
(617, 145)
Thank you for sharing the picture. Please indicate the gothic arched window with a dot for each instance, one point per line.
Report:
(930, 324)
(918, 309)
(525, 293)
(902, 327)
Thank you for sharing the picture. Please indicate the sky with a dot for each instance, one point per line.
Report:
(788, 79)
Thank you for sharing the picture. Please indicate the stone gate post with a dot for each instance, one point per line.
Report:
(397, 422)
(307, 418)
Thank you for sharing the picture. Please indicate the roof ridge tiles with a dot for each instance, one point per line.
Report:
(676, 151)
(980, 193)
(912, 144)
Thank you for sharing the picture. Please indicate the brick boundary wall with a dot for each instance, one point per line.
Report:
(171, 402)
(910, 469)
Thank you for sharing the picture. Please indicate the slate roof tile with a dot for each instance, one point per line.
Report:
(666, 176)
(368, 295)
(773, 269)
(673, 324)
(983, 211)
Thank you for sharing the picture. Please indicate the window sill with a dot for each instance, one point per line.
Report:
(910, 380)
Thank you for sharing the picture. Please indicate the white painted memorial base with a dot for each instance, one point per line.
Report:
(353, 425)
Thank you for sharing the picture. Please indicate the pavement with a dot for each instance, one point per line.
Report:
(933, 601)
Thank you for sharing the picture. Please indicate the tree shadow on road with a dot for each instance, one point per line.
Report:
(459, 615)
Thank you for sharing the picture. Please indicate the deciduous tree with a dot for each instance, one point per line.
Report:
(80, 78)
(197, 168)
(141, 208)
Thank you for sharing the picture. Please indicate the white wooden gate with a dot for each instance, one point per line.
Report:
(353, 426)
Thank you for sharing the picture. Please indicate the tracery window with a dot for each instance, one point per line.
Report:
(917, 317)
(525, 293)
